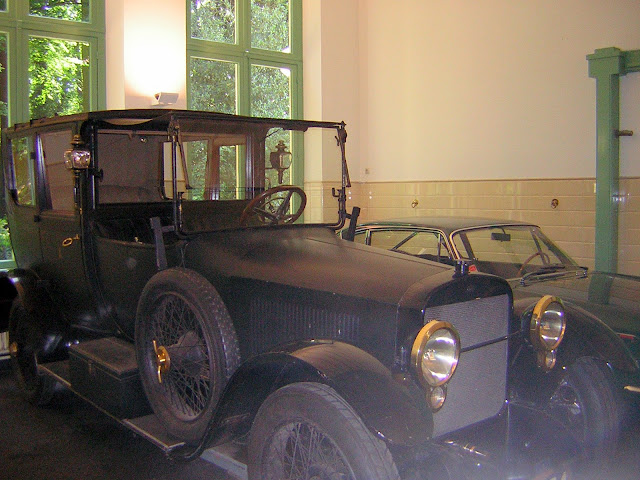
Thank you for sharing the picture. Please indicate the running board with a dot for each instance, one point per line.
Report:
(229, 457)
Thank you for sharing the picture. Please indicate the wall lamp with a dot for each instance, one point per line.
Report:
(162, 99)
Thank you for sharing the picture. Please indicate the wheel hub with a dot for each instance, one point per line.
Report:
(162, 360)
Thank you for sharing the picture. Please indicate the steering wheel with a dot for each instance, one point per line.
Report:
(272, 208)
(541, 254)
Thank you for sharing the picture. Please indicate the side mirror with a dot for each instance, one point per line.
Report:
(77, 157)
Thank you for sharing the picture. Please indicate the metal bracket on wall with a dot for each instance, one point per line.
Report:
(606, 65)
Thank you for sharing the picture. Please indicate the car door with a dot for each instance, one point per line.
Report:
(61, 237)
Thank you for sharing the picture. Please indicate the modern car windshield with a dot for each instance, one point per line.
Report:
(247, 174)
(510, 251)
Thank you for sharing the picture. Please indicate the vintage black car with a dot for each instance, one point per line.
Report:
(169, 273)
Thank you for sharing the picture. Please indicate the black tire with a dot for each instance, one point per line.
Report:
(183, 313)
(586, 403)
(343, 447)
(25, 347)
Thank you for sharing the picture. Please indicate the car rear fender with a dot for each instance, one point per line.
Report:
(44, 317)
(7, 293)
(388, 408)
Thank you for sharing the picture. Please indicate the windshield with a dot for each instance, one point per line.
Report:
(226, 174)
(510, 251)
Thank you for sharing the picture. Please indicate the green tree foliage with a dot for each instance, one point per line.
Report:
(270, 25)
(3, 88)
(73, 10)
(214, 20)
(57, 70)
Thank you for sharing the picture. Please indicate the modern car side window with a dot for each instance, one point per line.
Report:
(23, 161)
(60, 181)
(360, 237)
(429, 245)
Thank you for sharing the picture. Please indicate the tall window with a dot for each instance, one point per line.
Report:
(51, 63)
(245, 57)
(51, 58)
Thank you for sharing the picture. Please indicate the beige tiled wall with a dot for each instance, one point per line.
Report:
(571, 223)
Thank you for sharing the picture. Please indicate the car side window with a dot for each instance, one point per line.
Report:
(423, 244)
(24, 175)
(360, 237)
(429, 245)
(59, 180)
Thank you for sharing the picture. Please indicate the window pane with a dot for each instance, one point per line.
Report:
(59, 180)
(214, 20)
(213, 85)
(4, 91)
(212, 164)
(273, 175)
(58, 77)
(270, 25)
(73, 10)
(270, 92)
(3, 5)
(23, 170)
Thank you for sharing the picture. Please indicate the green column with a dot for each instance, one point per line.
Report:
(606, 65)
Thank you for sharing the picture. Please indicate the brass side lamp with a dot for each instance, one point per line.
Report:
(280, 160)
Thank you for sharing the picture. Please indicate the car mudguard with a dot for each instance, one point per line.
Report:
(46, 322)
(389, 408)
(585, 336)
(7, 293)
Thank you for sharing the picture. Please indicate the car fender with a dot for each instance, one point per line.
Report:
(7, 293)
(386, 406)
(585, 336)
(45, 320)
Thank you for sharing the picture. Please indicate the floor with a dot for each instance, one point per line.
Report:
(73, 441)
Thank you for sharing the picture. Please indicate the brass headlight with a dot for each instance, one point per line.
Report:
(435, 353)
(548, 323)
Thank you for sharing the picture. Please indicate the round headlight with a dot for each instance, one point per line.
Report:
(435, 353)
(547, 323)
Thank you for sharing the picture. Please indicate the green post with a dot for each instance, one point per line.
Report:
(606, 65)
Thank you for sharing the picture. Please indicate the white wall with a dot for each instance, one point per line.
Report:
(430, 90)
(487, 89)
(146, 51)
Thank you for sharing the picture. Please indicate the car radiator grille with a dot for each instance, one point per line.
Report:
(477, 390)
(274, 323)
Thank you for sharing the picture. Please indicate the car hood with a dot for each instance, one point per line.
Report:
(313, 258)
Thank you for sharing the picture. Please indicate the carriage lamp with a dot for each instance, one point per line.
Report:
(280, 160)
(77, 157)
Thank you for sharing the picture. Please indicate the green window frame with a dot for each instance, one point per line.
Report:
(239, 58)
(20, 28)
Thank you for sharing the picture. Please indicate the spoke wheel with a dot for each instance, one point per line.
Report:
(302, 451)
(306, 431)
(186, 348)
